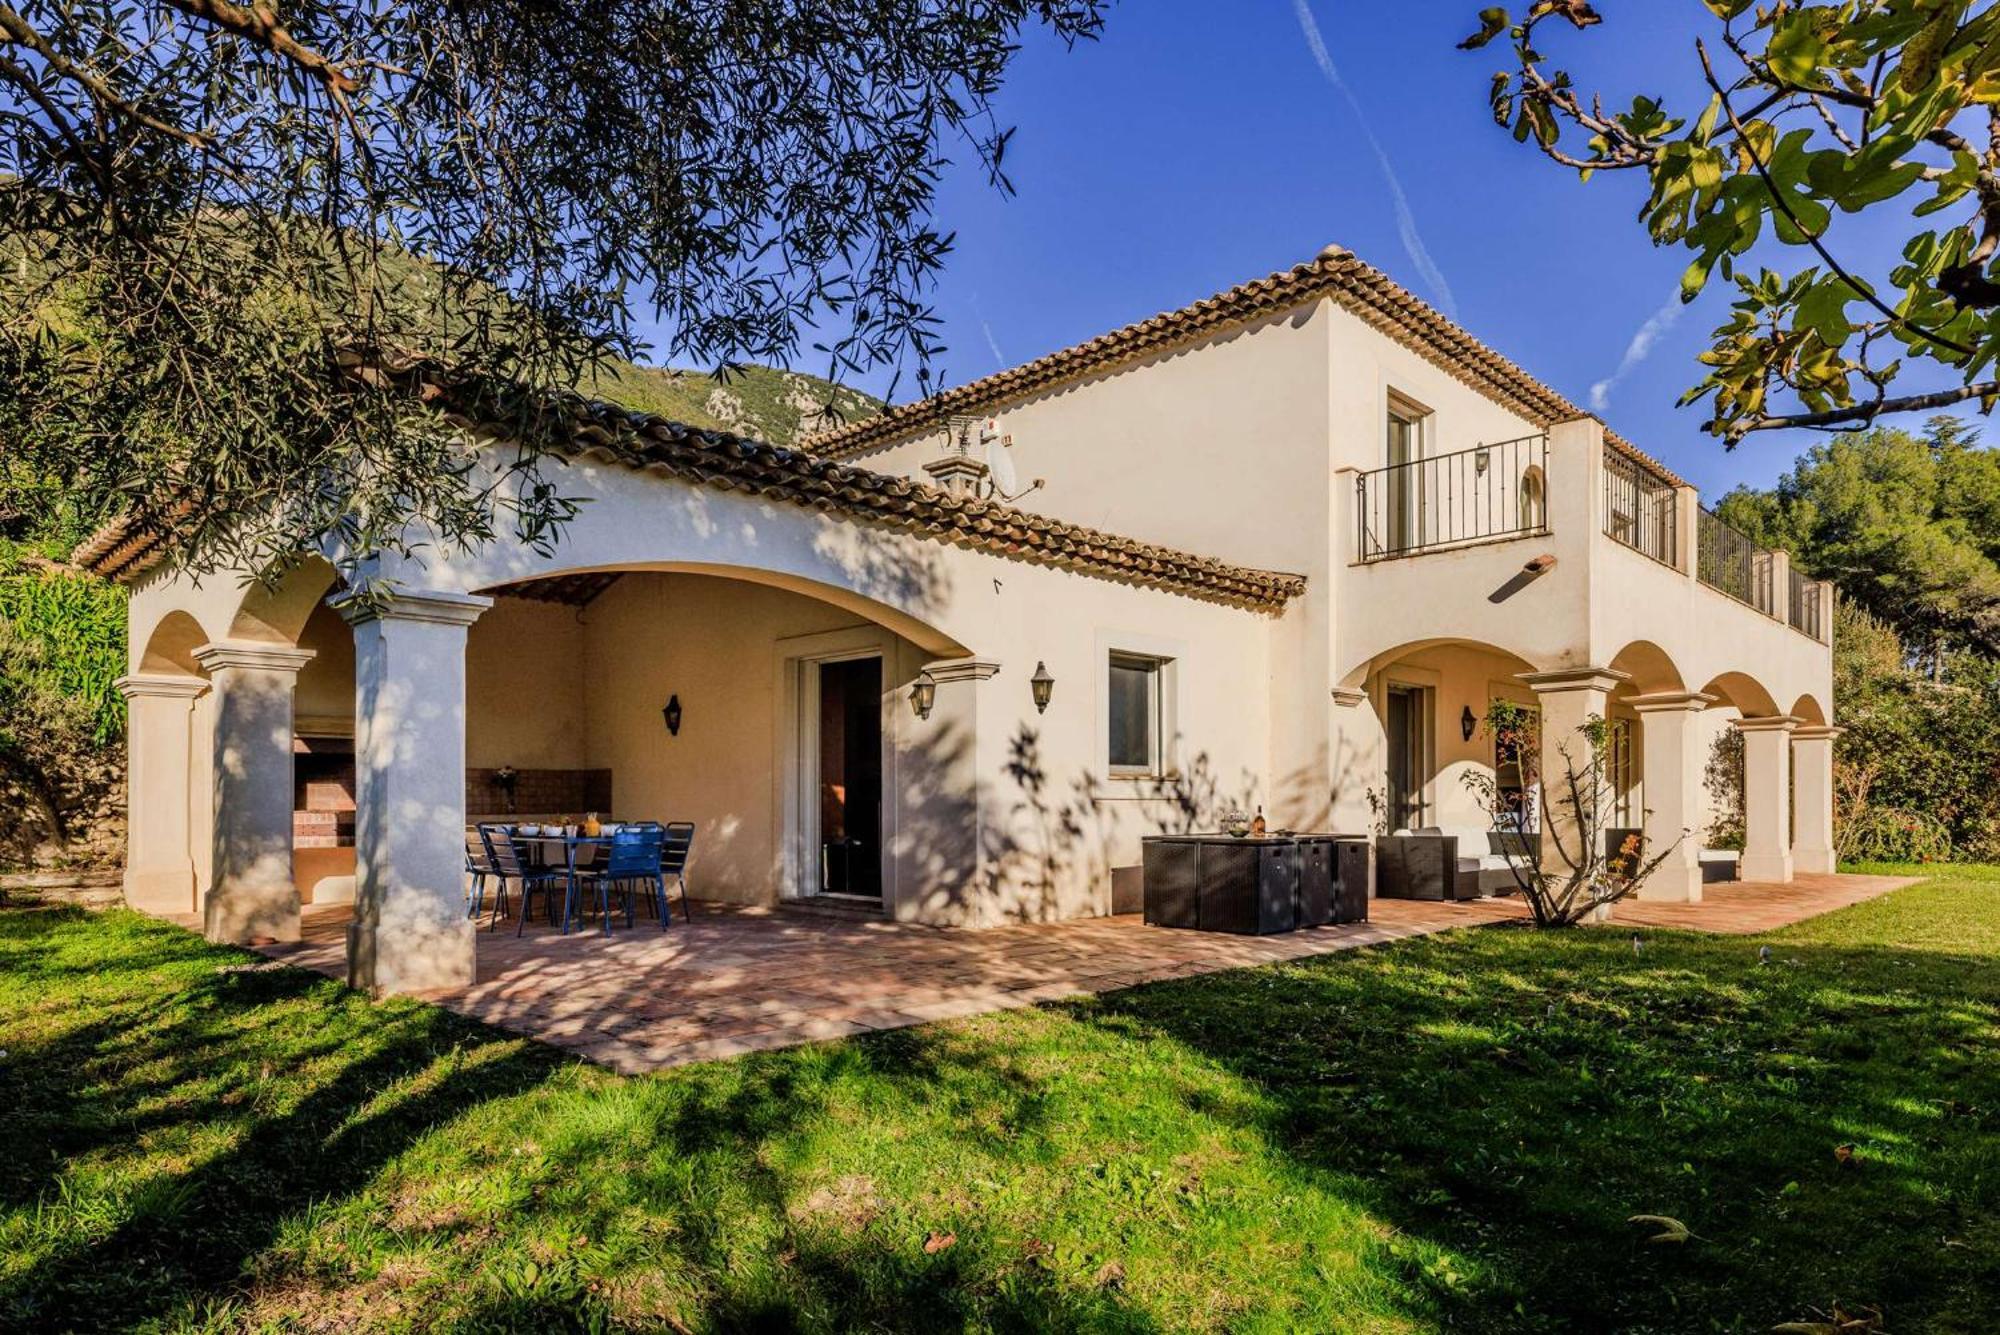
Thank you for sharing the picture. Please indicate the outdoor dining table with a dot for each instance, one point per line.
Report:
(568, 847)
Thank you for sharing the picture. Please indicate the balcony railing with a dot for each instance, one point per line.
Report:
(1641, 509)
(1809, 611)
(1730, 563)
(1484, 494)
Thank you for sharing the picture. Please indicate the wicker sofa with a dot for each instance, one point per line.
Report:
(1450, 862)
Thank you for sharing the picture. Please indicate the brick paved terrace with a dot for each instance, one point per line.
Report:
(740, 980)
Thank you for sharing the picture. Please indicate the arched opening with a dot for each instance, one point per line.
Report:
(1742, 693)
(1738, 695)
(1431, 700)
(170, 648)
(1533, 500)
(1649, 668)
(1807, 710)
(760, 707)
(293, 612)
(278, 613)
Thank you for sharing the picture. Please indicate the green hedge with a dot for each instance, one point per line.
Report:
(75, 626)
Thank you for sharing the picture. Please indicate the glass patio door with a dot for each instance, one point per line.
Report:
(1405, 718)
(844, 741)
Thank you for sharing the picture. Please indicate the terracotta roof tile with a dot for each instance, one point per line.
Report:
(1355, 286)
(734, 463)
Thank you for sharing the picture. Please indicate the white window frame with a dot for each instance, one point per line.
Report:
(1156, 669)
(1170, 654)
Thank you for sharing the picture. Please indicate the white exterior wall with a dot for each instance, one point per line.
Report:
(1245, 447)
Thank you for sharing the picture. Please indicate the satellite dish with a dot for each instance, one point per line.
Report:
(1000, 460)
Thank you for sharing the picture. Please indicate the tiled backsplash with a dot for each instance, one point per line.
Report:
(560, 791)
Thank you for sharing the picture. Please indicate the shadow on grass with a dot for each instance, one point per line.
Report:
(1517, 1096)
(276, 1096)
(1507, 1097)
(77, 1090)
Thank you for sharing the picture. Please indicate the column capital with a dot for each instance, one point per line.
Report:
(160, 686)
(1816, 732)
(1347, 697)
(1771, 723)
(1666, 702)
(437, 606)
(1574, 679)
(256, 655)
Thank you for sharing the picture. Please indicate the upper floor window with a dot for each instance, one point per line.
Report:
(1407, 421)
(1137, 695)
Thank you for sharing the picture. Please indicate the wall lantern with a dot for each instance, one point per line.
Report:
(1043, 685)
(1468, 723)
(1480, 458)
(672, 714)
(923, 694)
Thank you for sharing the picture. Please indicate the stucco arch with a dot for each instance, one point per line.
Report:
(1650, 667)
(277, 614)
(921, 633)
(1808, 710)
(169, 648)
(1743, 693)
(1356, 675)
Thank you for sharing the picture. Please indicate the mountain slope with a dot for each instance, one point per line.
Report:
(760, 401)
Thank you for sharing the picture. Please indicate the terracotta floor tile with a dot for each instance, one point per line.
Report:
(746, 980)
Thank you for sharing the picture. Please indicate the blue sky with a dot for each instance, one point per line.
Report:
(1200, 144)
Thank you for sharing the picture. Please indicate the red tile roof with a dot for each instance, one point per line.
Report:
(1356, 287)
(733, 463)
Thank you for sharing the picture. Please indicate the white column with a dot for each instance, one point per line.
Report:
(1812, 792)
(159, 733)
(1359, 768)
(251, 896)
(410, 932)
(1568, 698)
(1767, 791)
(1673, 759)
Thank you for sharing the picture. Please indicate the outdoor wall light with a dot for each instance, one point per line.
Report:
(1468, 723)
(1480, 458)
(923, 694)
(672, 714)
(1043, 685)
(507, 779)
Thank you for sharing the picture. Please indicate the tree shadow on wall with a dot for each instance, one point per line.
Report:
(1062, 836)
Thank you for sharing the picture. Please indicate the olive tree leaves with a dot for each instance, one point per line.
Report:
(241, 245)
(1814, 111)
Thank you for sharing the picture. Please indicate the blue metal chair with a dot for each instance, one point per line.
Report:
(509, 863)
(633, 858)
(674, 852)
(479, 866)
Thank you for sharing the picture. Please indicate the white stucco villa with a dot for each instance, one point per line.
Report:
(1281, 547)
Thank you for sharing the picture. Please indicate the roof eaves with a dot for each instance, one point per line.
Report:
(1356, 286)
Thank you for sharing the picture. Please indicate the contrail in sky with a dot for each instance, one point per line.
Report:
(999, 358)
(1406, 221)
(1641, 346)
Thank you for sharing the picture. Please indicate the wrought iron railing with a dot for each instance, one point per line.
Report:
(1641, 509)
(1484, 494)
(1730, 563)
(1808, 604)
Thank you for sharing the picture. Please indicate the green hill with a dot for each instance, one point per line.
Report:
(760, 401)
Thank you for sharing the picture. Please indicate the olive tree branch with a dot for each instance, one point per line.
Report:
(1858, 415)
(1784, 206)
(258, 24)
(21, 33)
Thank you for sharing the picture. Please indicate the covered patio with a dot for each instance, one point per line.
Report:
(744, 979)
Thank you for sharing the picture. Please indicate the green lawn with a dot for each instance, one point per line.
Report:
(1447, 1134)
